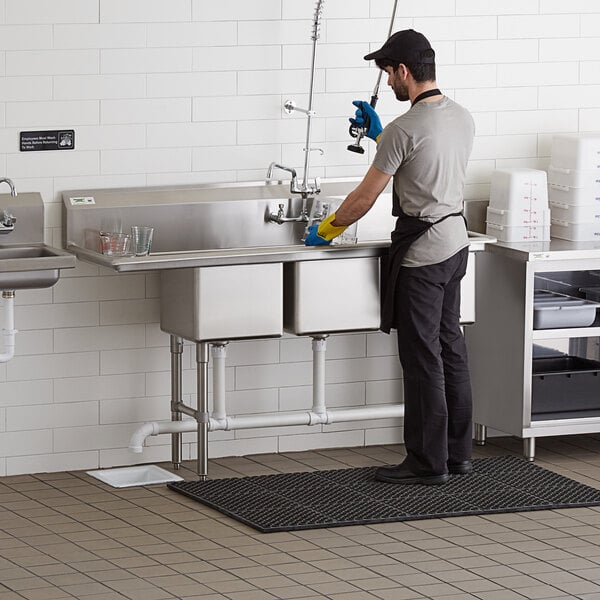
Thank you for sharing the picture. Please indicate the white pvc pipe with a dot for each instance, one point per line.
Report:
(139, 435)
(366, 413)
(8, 326)
(319, 346)
(283, 419)
(319, 415)
(219, 353)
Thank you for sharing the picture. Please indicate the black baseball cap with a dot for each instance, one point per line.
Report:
(406, 46)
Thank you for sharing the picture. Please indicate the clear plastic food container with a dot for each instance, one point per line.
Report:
(574, 195)
(522, 233)
(572, 178)
(575, 213)
(523, 216)
(579, 151)
(519, 188)
(575, 232)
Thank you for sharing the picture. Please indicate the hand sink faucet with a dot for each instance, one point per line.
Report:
(11, 185)
(7, 220)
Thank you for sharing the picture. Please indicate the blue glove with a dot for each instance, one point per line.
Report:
(322, 234)
(314, 239)
(367, 117)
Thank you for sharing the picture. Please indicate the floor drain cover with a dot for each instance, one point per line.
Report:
(134, 476)
(293, 501)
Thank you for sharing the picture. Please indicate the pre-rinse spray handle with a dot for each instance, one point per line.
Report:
(359, 132)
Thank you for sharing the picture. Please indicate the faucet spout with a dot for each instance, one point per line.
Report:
(11, 185)
(290, 170)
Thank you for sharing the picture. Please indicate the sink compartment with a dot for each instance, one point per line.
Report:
(222, 303)
(326, 296)
(13, 252)
(32, 266)
(27, 280)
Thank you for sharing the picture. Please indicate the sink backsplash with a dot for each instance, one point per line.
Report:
(204, 218)
(28, 209)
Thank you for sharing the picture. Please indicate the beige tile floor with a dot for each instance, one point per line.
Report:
(67, 535)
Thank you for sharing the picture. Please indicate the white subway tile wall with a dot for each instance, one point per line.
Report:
(188, 92)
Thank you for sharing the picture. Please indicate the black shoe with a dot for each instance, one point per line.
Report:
(462, 467)
(401, 474)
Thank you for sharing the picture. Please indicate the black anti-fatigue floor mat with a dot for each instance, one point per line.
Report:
(294, 501)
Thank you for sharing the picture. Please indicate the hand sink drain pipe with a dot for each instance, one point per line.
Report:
(218, 420)
(8, 325)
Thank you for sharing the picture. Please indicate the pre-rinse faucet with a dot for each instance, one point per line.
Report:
(279, 216)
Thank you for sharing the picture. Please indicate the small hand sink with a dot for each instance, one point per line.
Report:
(27, 266)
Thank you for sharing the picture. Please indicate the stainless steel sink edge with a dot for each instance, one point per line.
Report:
(236, 256)
(223, 257)
(55, 258)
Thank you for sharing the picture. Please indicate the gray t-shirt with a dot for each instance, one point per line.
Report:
(426, 150)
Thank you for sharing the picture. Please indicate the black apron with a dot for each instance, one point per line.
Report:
(407, 230)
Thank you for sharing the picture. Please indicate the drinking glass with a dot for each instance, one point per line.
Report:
(142, 239)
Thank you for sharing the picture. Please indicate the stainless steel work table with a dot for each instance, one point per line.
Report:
(501, 341)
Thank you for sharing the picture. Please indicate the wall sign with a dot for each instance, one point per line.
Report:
(35, 141)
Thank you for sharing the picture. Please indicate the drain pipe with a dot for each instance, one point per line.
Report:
(139, 436)
(219, 421)
(319, 347)
(8, 325)
(283, 419)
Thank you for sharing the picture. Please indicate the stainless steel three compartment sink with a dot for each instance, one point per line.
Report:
(222, 263)
(226, 272)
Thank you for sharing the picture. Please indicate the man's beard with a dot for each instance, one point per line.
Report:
(401, 93)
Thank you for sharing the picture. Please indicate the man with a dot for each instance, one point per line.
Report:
(426, 151)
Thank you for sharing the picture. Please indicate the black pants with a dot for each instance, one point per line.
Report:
(432, 350)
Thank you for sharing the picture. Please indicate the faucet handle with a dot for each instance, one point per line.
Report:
(7, 222)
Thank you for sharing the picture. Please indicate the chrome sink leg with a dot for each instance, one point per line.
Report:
(480, 434)
(202, 356)
(176, 398)
(529, 448)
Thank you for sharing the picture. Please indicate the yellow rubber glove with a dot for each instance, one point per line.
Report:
(323, 235)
